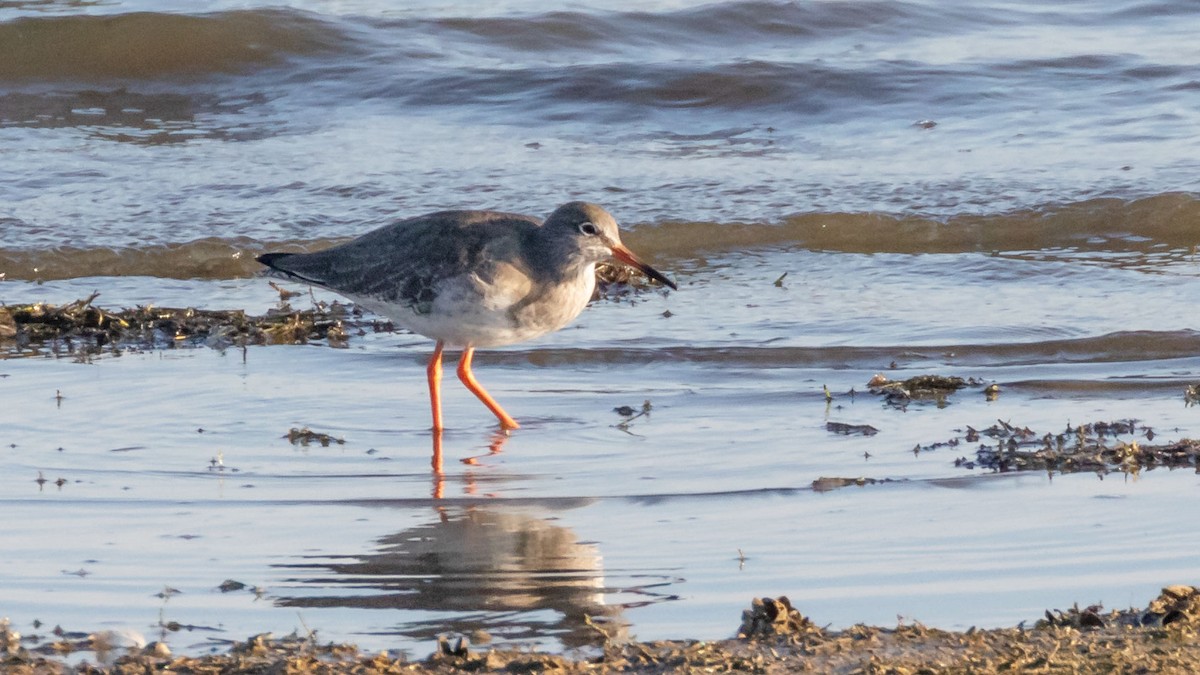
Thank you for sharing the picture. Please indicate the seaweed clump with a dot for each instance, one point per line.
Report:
(773, 618)
(615, 282)
(1095, 447)
(1176, 606)
(920, 388)
(306, 437)
(82, 329)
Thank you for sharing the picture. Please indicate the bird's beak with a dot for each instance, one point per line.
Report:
(626, 256)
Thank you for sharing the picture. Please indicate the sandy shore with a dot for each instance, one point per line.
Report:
(773, 638)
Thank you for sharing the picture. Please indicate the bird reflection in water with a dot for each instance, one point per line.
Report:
(495, 446)
(513, 575)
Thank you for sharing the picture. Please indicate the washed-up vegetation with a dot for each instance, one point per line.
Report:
(934, 389)
(773, 637)
(1125, 446)
(305, 437)
(1102, 447)
(83, 329)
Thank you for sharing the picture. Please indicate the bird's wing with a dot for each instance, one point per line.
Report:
(403, 262)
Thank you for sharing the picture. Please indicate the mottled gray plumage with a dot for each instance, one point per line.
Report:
(405, 262)
(471, 279)
(478, 278)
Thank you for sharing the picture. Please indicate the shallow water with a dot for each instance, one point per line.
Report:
(1004, 192)
(178, 473)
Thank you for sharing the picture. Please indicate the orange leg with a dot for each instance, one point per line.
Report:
(436, 460)
(468, 379)
(434, 373)
(439, 478)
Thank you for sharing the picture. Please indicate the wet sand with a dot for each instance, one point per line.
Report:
(773, 638)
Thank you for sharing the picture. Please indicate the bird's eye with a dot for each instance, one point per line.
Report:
(589, 229)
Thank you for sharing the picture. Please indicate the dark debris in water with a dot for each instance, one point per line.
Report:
(851, 429)
(923, 388)
(82, 330)
(630, 414)
(306, 436)
(1095, 447)
(773, 637)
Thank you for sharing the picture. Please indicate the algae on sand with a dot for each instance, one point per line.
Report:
(774, 637)
(82, 329)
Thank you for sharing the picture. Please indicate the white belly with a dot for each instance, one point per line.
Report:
(478, 315)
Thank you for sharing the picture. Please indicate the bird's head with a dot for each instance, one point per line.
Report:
(594, 234)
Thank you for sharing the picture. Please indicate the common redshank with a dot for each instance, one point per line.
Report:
(471, 279)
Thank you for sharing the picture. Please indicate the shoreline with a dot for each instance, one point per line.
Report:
(773, 637)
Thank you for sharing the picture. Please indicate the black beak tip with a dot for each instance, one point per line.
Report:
(661, 278)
